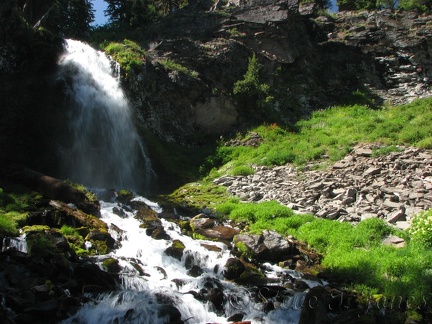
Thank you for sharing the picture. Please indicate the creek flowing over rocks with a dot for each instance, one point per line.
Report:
(394, 186)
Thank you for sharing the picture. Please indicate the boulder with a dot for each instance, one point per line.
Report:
(269, 246)
(176, 249)
(233, 269)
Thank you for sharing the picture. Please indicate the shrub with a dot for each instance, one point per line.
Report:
(421, 228)
(128, 54)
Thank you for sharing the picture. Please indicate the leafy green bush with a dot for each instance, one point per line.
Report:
(421, 228)
(13, 202)
(128, 54)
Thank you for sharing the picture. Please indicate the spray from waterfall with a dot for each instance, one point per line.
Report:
(103, 148)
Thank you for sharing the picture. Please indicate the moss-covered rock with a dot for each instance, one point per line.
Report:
(233, 269)
(124, 196)
(176, 249)
(111, 265)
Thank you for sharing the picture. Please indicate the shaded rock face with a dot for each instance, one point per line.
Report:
(393, 187)
(311, 62)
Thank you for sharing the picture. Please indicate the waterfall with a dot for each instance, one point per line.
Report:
(103, 148)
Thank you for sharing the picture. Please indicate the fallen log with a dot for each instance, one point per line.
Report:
(52, 188)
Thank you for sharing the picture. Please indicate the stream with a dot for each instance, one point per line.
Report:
(156, 288)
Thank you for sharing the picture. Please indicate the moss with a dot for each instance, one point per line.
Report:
(179, 245)
(39, 244)
(197, 236)
(185, 226)
(112, 265)
(99, 247)
(124, 196)
(91, 196)
(244, 250)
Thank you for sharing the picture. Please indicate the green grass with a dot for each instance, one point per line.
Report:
(331, 134)
(352, 253)
(12, 212)
(173, 66)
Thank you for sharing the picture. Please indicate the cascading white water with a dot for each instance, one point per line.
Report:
(104, 148)
(105, 151)
(152, 281)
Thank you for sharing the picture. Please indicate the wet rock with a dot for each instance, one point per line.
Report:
(124, 196)
(103, 236)
(195, 271)
(151, 222)
(211, 247)
(233, 269)
(170, 311)
(119, 212)
(176, 249)
(269, 246)
(314, 308)
(201, 222)
(221, 233)
(91, 278)
(216, 297)
(111, 265)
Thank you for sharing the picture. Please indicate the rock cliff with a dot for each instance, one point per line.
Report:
(310, 61)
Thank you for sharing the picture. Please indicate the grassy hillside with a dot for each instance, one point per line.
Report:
(328, 135)
(351, 253)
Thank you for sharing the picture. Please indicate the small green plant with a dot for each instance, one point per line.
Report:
(11, 221)
(67, 230)
(242, 170)
(91, 196)
(7, 226)
(421, 228)
(235, 33)
(244, 250)
(173, 66)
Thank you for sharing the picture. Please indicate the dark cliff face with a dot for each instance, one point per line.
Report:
(27, 100)
(311, 62)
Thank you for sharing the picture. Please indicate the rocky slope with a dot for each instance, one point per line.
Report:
(393, 187)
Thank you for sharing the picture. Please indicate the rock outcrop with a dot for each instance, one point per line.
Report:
(393, 187)
(309, 61)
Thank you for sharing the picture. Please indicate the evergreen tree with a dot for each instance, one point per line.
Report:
(422, 5)
(357, 4)
(130, 14)
(68, 18)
